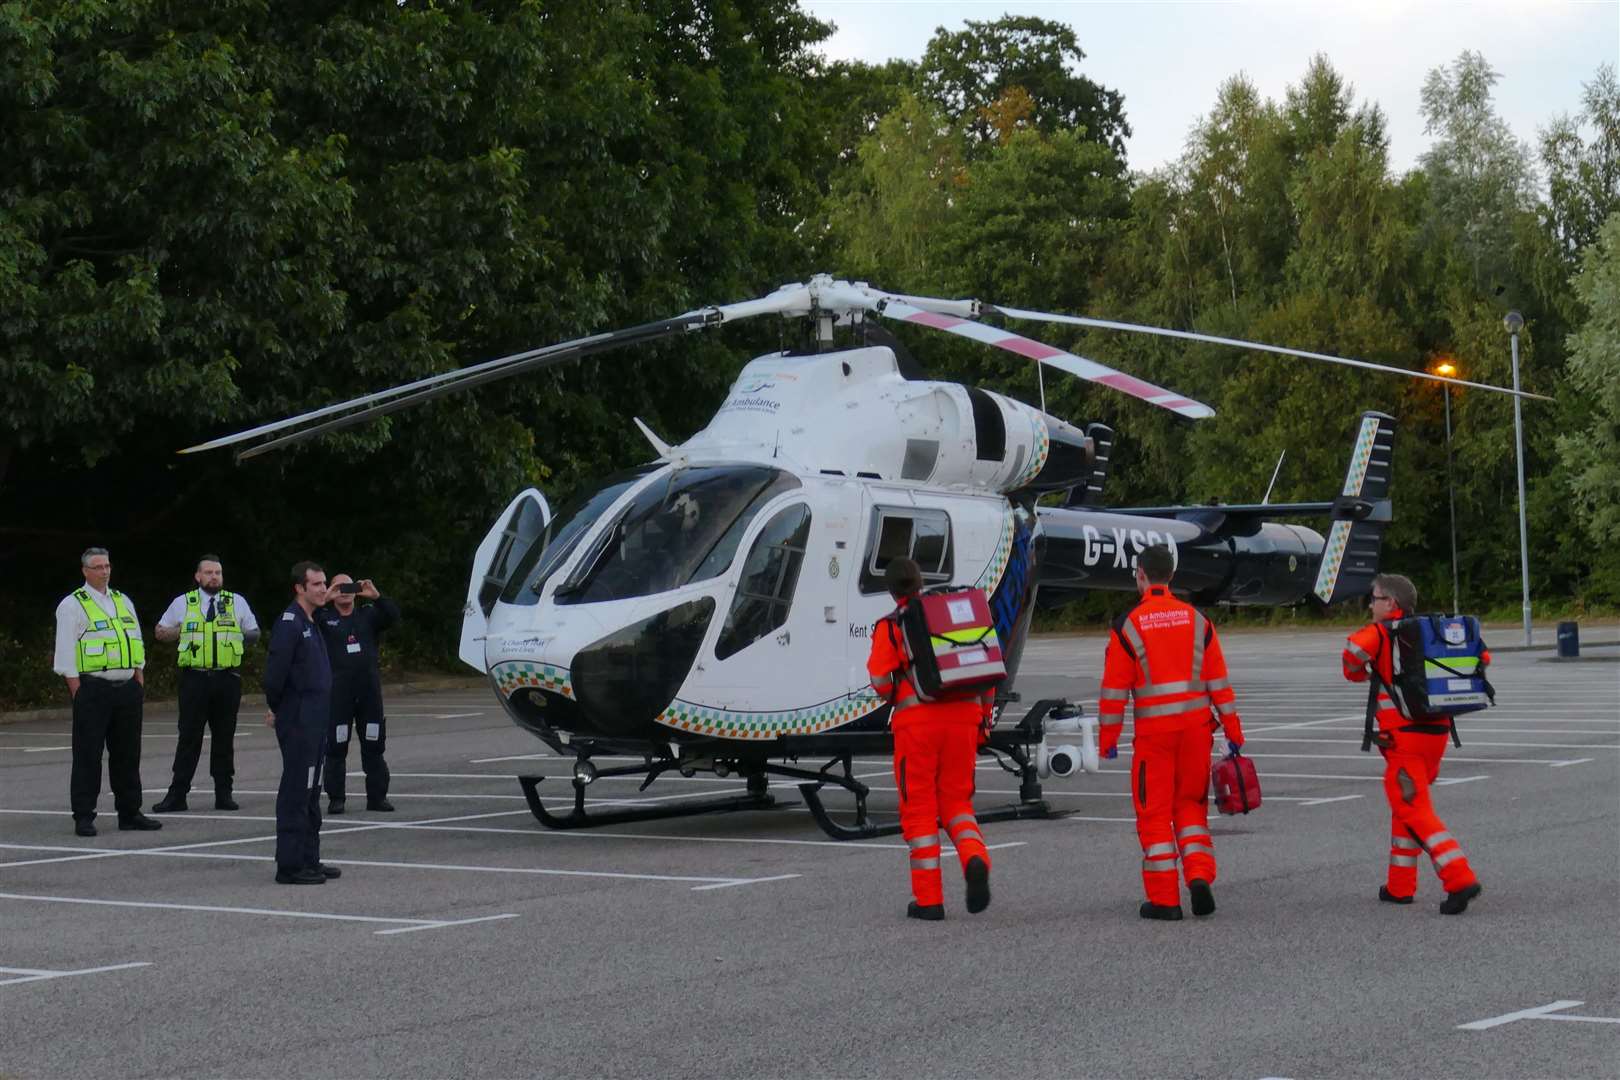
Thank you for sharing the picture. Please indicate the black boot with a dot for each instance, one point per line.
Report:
(223, 800)
(173, 803)
(1166, 912)
(978, 885)
(1203, 900)
(334, 806)
(926, 912)
(381, 805)
(1390, 898)
(1456, 903)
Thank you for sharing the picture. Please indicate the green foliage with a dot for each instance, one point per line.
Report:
(969, 71)
(1591, 451)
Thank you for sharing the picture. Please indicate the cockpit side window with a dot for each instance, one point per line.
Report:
(542, 559)
(902, 532)
(769, 577)
(524, 531)
(673, 532)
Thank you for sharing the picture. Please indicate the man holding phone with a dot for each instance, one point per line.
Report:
(351, 632)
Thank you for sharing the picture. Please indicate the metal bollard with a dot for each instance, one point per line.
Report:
(1569, 640)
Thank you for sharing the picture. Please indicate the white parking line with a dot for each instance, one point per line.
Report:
(397, 864)
(418, 924)
(1577, 761)
(1473, 742)
(1541, 1012)
(1450, 758)
(35, 975)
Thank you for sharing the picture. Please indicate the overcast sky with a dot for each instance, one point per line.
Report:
(1169, 57)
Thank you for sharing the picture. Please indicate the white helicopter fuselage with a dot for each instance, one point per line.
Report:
(729, 590)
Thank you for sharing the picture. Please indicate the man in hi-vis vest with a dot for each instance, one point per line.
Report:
(100, 653)
(213, 626)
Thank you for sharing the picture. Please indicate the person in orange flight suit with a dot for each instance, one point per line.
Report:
(936, 750)
(1411, 761)
(1165, 654)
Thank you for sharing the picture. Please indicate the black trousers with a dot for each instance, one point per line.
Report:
(357, 714)
(208, 699)
(106, 715)
(301, 732)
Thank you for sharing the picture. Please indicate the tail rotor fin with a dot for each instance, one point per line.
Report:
(1360, 514)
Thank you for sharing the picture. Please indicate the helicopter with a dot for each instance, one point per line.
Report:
(710, 609)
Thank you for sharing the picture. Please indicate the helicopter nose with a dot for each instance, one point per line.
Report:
(624, 680)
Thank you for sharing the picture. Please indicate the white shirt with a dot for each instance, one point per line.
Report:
(71, 623)
(176, 611)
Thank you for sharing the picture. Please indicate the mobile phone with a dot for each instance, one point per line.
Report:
(349, 587)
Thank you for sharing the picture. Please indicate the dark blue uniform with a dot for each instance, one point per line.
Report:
(357, 706)
(298, 688)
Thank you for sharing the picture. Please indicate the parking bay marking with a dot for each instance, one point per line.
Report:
(1540, 1012)
(36, 975)
(402, 925)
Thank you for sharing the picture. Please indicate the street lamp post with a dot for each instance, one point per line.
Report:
(1449, 370)
(1514, 323)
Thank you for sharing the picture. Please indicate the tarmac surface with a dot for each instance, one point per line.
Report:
(466, 940)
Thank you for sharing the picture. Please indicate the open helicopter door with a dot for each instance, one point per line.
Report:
(521, 525)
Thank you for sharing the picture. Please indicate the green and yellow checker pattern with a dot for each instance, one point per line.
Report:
(514, 675)
(1037, 460)
(998, 562)
(726, 724)
(1361, 458)
(1332, 556)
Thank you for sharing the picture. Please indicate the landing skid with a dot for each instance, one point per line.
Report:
(579, 818)
(1012, 744)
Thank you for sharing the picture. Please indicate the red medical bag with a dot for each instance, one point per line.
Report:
(1237, 785)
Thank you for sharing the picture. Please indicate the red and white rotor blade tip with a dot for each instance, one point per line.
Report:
(1090, 370)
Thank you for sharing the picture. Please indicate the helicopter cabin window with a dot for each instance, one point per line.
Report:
(672, 533)
(769, 576)
(923, 535)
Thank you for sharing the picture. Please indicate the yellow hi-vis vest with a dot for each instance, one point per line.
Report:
(216, 644)
(109, 644)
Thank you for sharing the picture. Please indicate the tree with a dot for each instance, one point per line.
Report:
(889, 210)
(969, 71)
(1480, 176)
(1583, 178)
(1592, 452)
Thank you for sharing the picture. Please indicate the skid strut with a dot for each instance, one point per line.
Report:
(1013, 743)
(757, 798)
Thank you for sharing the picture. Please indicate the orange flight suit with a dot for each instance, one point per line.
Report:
(1165, 654)
(1411, 764)
(936, 750)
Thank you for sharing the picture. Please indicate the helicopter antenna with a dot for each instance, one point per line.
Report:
(1267, 497)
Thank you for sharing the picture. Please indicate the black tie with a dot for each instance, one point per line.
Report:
(210, 616)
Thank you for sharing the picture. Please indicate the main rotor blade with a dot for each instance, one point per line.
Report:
(789, 299)
(539, 358)
(1188, 335)
(895, 308)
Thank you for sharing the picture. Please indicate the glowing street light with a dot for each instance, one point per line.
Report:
(1449, 370)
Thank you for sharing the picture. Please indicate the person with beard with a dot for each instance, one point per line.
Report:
(213, 627)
